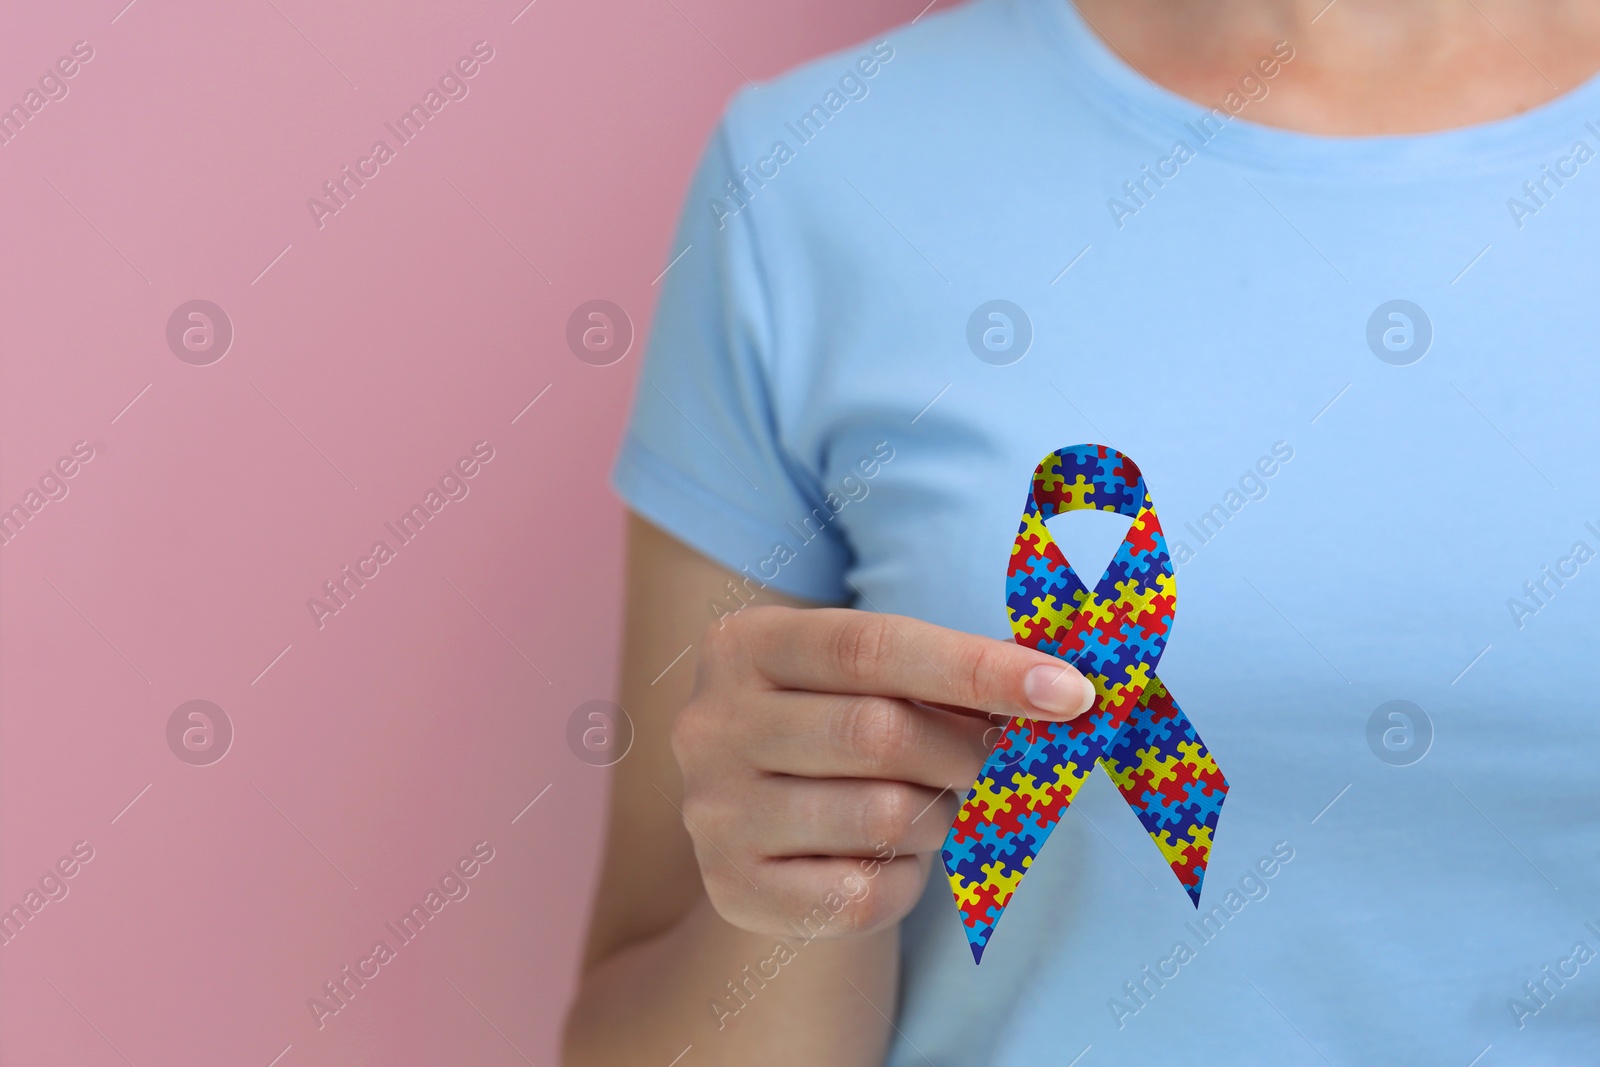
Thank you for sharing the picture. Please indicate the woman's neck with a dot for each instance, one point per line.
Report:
(1361, 67)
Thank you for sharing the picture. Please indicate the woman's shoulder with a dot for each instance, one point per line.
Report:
(942, 66)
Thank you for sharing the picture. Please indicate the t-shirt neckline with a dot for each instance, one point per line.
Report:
(1513, 142)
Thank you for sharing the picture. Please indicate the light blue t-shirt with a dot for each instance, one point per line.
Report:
(1360, 377)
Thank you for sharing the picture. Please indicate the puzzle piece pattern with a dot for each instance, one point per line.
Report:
(1115, 634)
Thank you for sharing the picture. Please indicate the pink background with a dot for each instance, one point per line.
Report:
(371, 353)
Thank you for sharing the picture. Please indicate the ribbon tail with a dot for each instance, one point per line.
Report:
(1169, 779)
(1026, 785)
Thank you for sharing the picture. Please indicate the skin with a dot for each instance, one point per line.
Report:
(1364, 67)
(793, 748)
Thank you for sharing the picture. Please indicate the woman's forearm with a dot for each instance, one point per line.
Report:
(734, 997)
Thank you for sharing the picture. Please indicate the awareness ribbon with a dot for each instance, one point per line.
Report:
(1114, 634)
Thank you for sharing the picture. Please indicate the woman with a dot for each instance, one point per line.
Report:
(1320, 270)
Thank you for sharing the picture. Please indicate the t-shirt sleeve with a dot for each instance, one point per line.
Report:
(703, 457)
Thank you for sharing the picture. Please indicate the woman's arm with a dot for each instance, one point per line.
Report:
(658, 955)
(749, 902)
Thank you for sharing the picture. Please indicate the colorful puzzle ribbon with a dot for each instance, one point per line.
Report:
(1114, 634)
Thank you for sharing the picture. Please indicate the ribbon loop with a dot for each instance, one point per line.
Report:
(1114, 634)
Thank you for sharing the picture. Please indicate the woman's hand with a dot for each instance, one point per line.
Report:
(818, 742)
